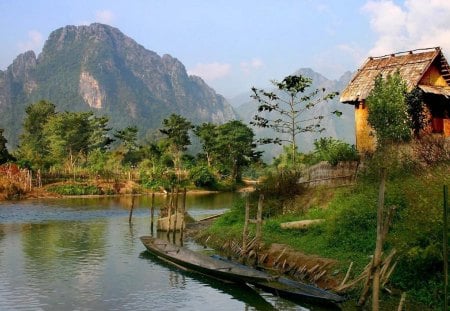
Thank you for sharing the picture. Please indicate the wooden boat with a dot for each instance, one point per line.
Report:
(292, 290)
(187, 259)
(297, 291)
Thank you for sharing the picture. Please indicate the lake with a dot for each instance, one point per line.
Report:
(82, 254)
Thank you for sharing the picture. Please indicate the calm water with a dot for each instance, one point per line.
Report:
(82, 254)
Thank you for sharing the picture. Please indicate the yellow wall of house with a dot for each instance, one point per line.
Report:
(365, 142)
(433, 77)
(446, 127)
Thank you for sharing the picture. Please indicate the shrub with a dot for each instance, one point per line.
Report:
(75, 189)
(202, 177)
(334, 151)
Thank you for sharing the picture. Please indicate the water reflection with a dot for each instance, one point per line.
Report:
(82, 254)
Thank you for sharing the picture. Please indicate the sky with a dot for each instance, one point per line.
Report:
(234, 45)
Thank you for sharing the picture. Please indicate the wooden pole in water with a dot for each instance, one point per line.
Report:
(152, 212)
(183, 211)
(131, 209)
(169, 213)
(176, 214)
(445, 248)
(245, 231)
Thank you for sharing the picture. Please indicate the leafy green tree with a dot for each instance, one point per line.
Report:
(129, 146)
(207, 137)
(388, 116)
(99, 138)
(69, 136)
(416, 110)
(235, 148)
(176, 129)
(4, 154)
(290, 109)
(33, 147)
(388, 110)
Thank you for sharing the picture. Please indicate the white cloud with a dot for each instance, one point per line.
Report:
(249, 66)
(415, 24)
(104, 16)
(211, 71)
(35, 41)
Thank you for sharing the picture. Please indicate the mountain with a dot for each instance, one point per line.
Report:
(98, 68)
(338, 127)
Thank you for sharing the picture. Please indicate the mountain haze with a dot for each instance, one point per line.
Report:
(98, 68)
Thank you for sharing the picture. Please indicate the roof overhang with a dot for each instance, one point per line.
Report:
(438, 90)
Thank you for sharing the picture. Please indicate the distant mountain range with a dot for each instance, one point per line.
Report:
(338, 127)
(98, 68)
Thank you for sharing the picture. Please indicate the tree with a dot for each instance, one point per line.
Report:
(290, 109)
(4, 154)
(235, 148)
(33, 147)
(388, 116)
(388, 110)
(416, 110)
(176, 128)
(206, 134)
(69, 135)
(129, 146)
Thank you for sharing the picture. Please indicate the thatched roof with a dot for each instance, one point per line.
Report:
(412, 66)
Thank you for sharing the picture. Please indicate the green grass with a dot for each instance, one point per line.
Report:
(75, 189)
(349, 232)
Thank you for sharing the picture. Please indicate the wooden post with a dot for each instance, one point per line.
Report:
(445, 248)
(176, 214)
(245, 231)
(259, 226)
(152, 212)
(131, 209)
(183, 211)
(379, 244)
(169, 212)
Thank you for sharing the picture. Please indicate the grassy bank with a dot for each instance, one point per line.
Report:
(348, 234)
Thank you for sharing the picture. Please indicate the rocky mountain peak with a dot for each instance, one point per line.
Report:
(97, 67)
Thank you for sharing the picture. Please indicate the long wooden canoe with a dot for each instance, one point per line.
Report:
(197, 262)
(293, 290)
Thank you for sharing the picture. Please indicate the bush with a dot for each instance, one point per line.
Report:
(202, 177)
(334, 151)
(75, 189)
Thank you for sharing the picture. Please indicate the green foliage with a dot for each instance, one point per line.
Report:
(202, 177)
(34, 144)
(388, 111)
(334, 151)
(4, 154)
(75, 189)
(286, 111)
(416, 110)
(279, 189)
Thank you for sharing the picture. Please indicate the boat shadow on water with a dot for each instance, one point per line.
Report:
(240, 292)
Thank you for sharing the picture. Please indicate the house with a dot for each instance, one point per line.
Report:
(425, 68)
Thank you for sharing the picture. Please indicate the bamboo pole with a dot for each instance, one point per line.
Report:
(131, 209)
(445, 247)
(176, 214)
(152, 212)
(169, 213)
(183, 211)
